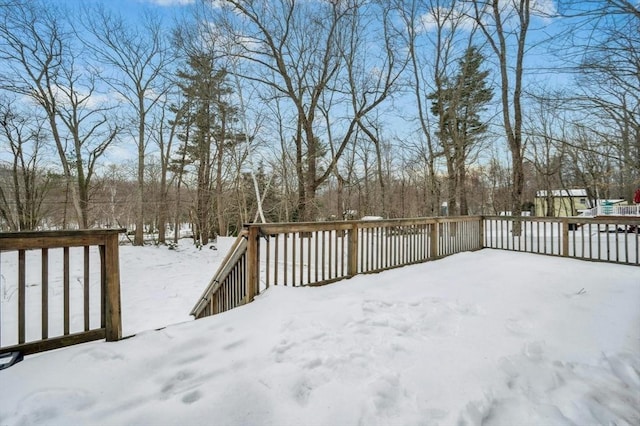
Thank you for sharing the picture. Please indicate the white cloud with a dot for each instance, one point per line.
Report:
(543, 8)
(443, 17)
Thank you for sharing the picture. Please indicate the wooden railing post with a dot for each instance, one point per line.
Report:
(565, 238)
(113, 314)
(352, 254)
(433, 240)
(253, 262)
(481, 232)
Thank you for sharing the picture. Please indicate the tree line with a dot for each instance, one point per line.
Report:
(281, 110)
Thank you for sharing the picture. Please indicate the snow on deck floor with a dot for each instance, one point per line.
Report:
(489, 337)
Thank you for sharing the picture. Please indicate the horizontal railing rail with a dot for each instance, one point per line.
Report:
(42, 307)
(317, 253)
(227, 288)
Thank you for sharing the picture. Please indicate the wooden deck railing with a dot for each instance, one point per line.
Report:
(630, 210)
(614, 239)
(32, 293)
(299, 254)
(228, 287)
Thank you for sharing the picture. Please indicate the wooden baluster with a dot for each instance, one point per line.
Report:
(86, 288)
(22, 285)
(66, 289)
(45, 293)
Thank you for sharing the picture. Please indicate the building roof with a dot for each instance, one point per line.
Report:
(563, 193)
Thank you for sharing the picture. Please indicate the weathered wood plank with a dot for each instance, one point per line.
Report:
(114, 314)
(53, 239)
(268, 262)
(65, 291)
(565, 239)
(45, 293)
(352, 253)
(103, 286)
(293, 259)
(285, 257)
(238, 249)
(253, 263)
(22, 286)
(55, 342)
(86, 288)
(275, 260)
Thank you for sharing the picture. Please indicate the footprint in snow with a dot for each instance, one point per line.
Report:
(190, 358)
(281, 349)
(386, 392)
(302, 390)
(191, 397)
(534, 351)
(233, 345)
(98, 354)
(176, 380)
(517, 326)
(44, 406)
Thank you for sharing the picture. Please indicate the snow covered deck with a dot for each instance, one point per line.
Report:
(489, 337)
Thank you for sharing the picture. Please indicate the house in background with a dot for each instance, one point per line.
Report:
(574, 202)
(563, 202)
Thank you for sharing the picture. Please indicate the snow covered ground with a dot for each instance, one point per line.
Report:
(489, 337)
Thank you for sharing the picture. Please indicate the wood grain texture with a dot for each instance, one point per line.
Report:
(107, 241)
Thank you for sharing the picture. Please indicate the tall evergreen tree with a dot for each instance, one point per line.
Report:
(206, 121)
(458, 105)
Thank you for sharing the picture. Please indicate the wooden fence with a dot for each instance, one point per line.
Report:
(298, 254)
(290, 254)
(614, 239)
(34, 295)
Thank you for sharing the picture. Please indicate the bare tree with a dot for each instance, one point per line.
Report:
(591, 162)
(43, 63)
(544, 133)
(165, 136)
(605, 37)
(140, 54)
(24, 184)
(502, 24)
(306, 52)
(432, 29)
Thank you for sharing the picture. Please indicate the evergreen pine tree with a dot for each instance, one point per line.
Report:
(458, 105)
(206, 121)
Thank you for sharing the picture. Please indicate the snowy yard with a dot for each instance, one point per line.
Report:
(489, 337)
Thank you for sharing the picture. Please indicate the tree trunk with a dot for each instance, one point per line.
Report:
(462, 190)
(163, 209)
(138, 238)
(301, 208)
(222, 226)
(452, 190)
